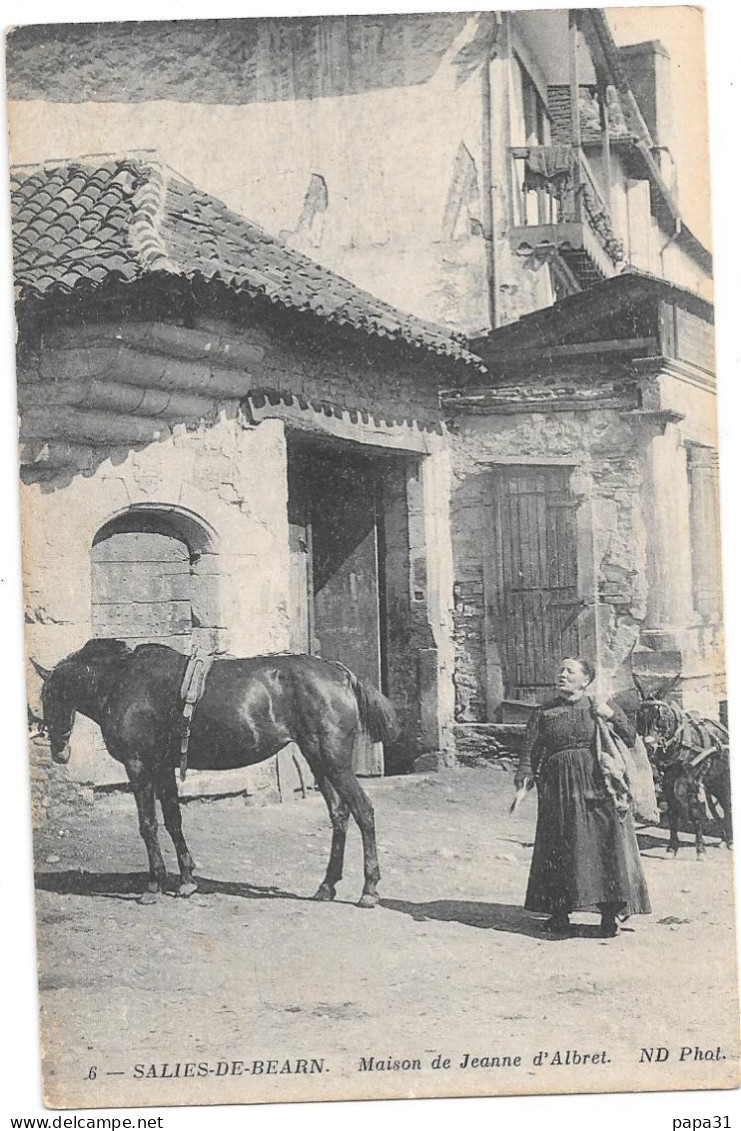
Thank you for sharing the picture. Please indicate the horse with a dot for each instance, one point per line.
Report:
(250, 709)
(690, 755)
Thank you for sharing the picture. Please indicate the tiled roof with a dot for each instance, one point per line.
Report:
(576, 317)
(82, 223)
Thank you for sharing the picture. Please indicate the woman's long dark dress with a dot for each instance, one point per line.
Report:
(584, 855)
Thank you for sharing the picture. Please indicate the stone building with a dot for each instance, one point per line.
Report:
(585, 502)
(224, 443)
(505, 176)
(467, 167)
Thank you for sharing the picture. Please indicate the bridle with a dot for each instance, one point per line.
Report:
(669, 741)
(62, 737)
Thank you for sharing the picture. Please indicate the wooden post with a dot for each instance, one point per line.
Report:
(575, 116)
(605, 120)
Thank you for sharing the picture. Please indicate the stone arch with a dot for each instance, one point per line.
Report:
(155, 578)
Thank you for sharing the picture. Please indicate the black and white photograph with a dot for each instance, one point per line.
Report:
(377, 731)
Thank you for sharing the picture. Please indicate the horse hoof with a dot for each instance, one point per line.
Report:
(149, 897)
(368, 899)
(324, 894)
(186, 889)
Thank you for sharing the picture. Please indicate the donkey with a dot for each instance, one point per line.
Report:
(250, 709)
(690, 755)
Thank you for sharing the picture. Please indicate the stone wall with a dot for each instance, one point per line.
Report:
(373, 144)
(378, 145)
(190, 457)
(602, 449)
(644, 477)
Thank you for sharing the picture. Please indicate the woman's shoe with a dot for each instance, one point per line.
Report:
(558, 925)
(608, 927)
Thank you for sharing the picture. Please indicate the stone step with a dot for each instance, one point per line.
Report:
(515, 710)
(490, 742)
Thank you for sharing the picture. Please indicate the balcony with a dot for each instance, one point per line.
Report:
(557, 207)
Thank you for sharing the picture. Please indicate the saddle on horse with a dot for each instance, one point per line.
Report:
(191, 692)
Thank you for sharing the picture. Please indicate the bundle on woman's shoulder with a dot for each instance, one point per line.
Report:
(627, 773)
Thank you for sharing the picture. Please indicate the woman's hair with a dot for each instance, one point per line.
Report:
(585, 666)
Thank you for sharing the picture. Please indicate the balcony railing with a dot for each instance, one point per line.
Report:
(554, 189)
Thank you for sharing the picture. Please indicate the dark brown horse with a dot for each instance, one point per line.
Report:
(690, 756)
(250, 710)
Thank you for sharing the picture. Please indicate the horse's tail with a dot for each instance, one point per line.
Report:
(376, 712)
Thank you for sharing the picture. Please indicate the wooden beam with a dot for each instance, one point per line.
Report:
(574, 349)
(39, 453)
(574, 79)
(575, 114)
(152, 371)
(606, 160)
(97, 393)
(78, 426)
(546, 405)
(210, 344)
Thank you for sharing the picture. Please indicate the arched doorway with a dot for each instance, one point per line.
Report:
(153, 579)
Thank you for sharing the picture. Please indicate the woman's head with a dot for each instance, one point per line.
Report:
(574, 676)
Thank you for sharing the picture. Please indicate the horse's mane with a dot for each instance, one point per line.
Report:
(101, 649)
(95, 651)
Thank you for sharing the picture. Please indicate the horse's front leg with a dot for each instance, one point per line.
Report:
(144, 795)
(167, 791)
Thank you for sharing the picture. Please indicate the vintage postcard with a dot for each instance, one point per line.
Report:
(377, 706)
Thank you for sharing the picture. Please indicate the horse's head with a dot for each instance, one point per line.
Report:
(77, 683)
(658, 718)
(657, 722)
(59, 714)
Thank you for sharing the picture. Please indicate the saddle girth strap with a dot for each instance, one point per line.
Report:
(191, 691)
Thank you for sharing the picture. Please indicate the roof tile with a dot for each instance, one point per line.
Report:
(82, 222)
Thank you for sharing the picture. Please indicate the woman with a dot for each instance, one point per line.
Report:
(585, 856)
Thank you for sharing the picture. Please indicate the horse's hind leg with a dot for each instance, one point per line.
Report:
(144, 796)
(167, 791)
(673, 813)
(725, 800)
(354, 796)
(673, 845)
(339, 814)
(697, 816)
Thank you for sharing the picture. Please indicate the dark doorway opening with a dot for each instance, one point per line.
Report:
(349, 551)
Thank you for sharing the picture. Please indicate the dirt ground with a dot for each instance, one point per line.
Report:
(251, 970)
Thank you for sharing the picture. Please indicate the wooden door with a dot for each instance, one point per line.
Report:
(533, 568)
(300, 583)
(335, 605)
(345, 580)
(345, 573)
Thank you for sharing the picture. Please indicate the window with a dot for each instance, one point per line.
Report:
(530, 122)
